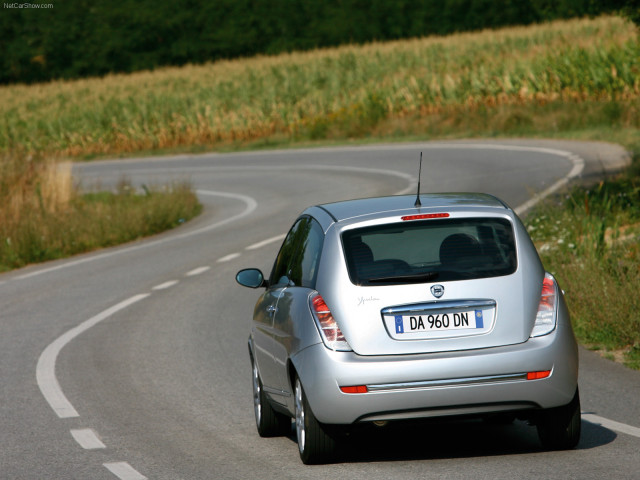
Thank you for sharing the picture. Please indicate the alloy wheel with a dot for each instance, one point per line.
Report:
(300, 427)
(257, 405)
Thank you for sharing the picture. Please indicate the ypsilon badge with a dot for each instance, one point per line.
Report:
(437, 291)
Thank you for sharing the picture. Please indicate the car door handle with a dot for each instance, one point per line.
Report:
(271, 310)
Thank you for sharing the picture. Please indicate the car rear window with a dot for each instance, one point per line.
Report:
(431, 250)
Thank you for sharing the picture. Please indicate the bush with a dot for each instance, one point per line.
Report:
(591, 243)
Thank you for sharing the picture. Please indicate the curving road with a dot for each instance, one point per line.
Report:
(132, 363)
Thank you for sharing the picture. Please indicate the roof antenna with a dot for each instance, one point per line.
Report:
(418, 203)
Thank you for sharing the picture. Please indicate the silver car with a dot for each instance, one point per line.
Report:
(386, 309)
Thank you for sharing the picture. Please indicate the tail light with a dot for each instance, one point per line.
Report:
(329, 331)
(547, 309)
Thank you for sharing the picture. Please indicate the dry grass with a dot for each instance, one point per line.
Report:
(43, 216)
(32, 183)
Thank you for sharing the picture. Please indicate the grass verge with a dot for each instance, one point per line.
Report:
(590, 240)
(44, 217)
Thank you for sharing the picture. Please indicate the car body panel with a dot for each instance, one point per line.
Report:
(262, 334)
(364, 329)
(351, 210)
(465, 372)
(468, 383)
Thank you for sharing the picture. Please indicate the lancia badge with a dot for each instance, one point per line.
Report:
(437, 291)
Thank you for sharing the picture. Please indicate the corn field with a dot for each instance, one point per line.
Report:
(312, 95)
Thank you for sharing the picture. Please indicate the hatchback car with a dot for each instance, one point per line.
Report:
(387, 309)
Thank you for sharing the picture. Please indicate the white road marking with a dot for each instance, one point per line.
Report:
(87, 439)
(611, 424)
(197, 271)
(165, 285)
(124, 471)
(250, 203)
(578, 166)
(228, 258)
(46, 368)
(577, 161)
(268, 241)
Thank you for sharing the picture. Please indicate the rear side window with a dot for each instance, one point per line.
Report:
(299, 256)
(432, 250)
(304, 265)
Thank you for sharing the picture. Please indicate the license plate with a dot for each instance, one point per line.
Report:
(437, 322)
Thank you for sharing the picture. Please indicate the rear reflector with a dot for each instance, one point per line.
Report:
(355, 389)
(425, 215)
(538, 375)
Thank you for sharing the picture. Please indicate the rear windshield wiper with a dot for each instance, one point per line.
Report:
(412, 278)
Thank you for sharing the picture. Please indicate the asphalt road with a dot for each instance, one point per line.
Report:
(132, 362)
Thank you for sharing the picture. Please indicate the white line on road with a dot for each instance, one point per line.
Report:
(165, 285)
(124, 471)
(197, 271)
(87, 439)
(251, 204)
(228, 258)
(577, 161)
(46, 368)
(268, 241)
(611, 424)
(578, 166)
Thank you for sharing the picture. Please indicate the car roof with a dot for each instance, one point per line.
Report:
(383, 206)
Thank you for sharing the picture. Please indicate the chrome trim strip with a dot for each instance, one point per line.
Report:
(275, 391)
(452, 382)
(436, 305)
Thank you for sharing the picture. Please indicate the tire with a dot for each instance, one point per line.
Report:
(315, 445)
(559, 428)
(268, 422)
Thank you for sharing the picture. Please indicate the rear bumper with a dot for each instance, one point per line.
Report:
(442, 384)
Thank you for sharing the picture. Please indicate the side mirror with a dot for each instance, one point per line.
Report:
(251, 277)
